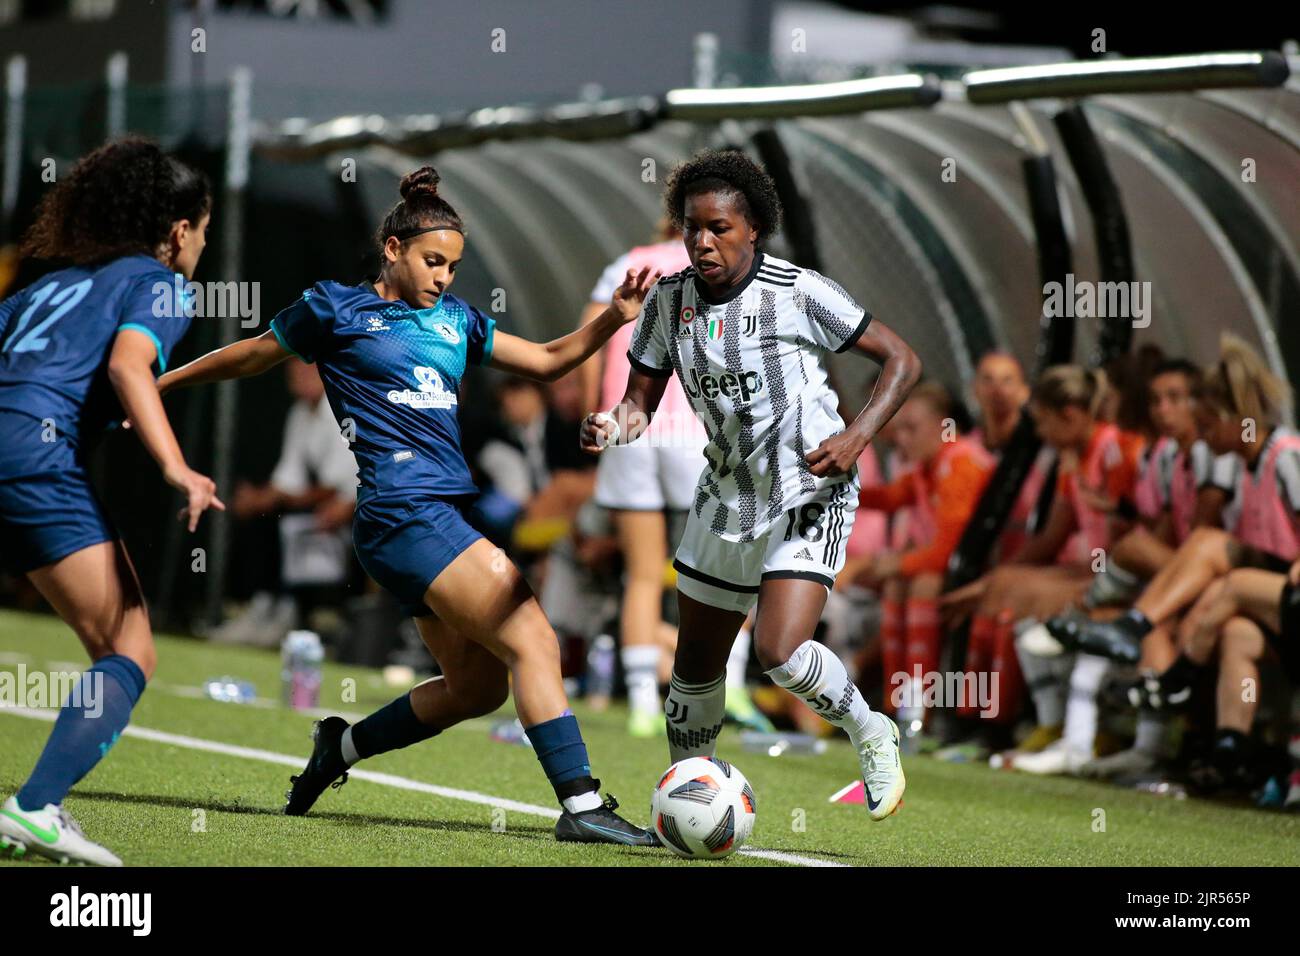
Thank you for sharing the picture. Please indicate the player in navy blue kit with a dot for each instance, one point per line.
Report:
(391, 354)
(79, 351)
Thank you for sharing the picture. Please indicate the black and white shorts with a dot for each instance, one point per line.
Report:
(808, 542)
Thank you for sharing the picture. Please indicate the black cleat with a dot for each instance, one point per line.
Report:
(1117, 639)
(601, 825)
(325, 768)
(1228, 769)
(1065, 628)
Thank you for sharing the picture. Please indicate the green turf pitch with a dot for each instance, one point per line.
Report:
(163, 804)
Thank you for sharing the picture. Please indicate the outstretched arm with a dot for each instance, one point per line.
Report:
(899, 372)
(632, 415)
(237, 360)
(548, 361)
(130, 371)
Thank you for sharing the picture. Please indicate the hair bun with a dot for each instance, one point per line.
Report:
(423, 182)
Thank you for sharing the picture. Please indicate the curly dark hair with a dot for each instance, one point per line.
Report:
(730, 171)
(420, 209)
(118, 200)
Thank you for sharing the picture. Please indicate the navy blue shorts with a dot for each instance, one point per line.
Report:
(49, 516)
(404, 545)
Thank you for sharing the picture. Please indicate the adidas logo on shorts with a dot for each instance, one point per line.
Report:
(804, 555)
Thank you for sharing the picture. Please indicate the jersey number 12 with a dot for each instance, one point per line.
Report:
(35, 340)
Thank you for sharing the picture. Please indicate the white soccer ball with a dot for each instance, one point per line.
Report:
(703, 808)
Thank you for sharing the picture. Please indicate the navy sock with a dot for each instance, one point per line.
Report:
(392, 727)
(563, 755)
(93, 717)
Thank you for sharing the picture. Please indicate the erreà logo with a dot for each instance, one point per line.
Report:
(432, 393)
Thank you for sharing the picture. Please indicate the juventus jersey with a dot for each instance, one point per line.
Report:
(753, 365)
(1207, 469)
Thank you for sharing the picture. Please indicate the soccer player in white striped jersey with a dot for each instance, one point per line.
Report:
(747, 335)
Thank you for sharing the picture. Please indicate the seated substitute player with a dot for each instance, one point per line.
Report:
(1239, 407)
(78, 349)
(1098, 471)
(1183, 485)
(391, 354)
(1244, 616)
(747, 335)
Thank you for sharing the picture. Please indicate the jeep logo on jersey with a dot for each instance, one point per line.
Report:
(734, 386)
(447, 332)
(432, 393)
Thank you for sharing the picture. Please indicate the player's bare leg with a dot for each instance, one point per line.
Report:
(1207, 554)
(473, 683)
(1246, 592)
(643, 539)
(483, 596)
(96, 592)
(483, 600)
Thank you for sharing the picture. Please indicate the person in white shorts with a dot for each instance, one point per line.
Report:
(747, 336)
(640, 483)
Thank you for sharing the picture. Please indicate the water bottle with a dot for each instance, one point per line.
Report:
(600, 671)
(510, 732)
(301, 655)
(230, 690)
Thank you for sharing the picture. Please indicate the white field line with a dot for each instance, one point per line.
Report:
(387, 779)
(198, 693)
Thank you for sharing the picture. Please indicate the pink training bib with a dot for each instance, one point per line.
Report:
(675, 415)
(1182, 495)
(1266, 520)
(1106, 451)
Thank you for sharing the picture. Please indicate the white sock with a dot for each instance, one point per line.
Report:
(1045, 677)
(1081, 711)
(583, 801)
(641, 674)
(347, 749)
(1150, 733)
(738, 659)
(815, 675)
(694, 713)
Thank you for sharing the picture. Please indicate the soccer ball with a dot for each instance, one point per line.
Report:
(703, 808)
